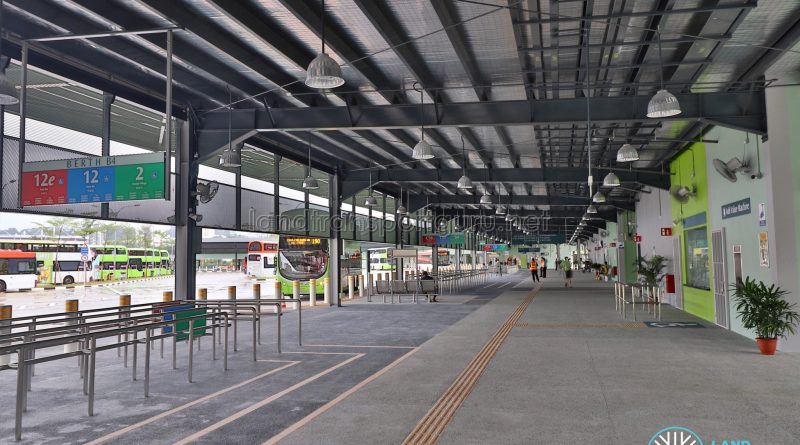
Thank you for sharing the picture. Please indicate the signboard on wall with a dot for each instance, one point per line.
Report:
(666, 231)
(738, 208)
(93, 179)
(637, 238)
(762, 214)
(450, 238)
(763, 249)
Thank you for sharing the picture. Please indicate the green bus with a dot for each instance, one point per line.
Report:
(143, 263)
(112, 262)
(166, 263)
(302, 258)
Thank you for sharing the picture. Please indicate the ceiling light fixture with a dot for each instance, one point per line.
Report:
(627, 153)
(423, 149)
(663, 103)
(611, 180)
(401, 210)
(464, 183)
(599, 197)
(310, 183)
(323, 72)
(591, 209)
(230, 157)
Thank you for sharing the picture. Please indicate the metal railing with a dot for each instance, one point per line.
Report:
(649, 297)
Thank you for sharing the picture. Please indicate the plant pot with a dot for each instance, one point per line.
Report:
(767, 345)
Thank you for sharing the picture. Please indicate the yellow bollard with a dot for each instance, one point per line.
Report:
(71, 306)
(5, 328)
(231, 292)
(350, 287)
(279, 294)
(202, 293)
(125, 300)
(361, 290)
(166, 295)
(312, 292)
(256, 291)
(327, 295)
(296, 292)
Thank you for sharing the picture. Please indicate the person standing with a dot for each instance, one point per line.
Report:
(566, 266)
(542, 267)
(534, 268)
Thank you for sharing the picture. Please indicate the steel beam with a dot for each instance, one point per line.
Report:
(417, 202)
(741, 110)
(702, 9)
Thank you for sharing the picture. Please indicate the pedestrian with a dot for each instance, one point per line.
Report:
(566, 266)
(542, 267)
(534, 268)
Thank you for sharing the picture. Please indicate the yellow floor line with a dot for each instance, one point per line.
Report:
(581, 325)
(264, 402)
(319, 411)
(429, 428)
(180, 408)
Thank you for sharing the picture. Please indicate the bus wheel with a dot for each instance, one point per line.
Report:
(2, 286)
(69, 280)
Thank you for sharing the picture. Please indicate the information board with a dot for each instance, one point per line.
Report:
(442, 240)
(93, 179)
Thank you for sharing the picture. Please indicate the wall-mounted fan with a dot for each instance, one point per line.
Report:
(207, 191)
(729, 169)
(682, 193)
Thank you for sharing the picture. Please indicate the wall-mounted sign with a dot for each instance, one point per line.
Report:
(93, 179)
(542, 238)
(637, 238)
(450, 238)
(762, 214)
(402, 253)
(612, 245)
(495, 247)
(666, 231)
(738, 208)
(763, 249)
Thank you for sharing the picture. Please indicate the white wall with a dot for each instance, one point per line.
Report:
(652, 213)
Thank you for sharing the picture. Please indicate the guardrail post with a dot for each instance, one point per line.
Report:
(5, 328)
(350, 287)
(327, 294)
(312, 292)
(296, 292)
(257, 297)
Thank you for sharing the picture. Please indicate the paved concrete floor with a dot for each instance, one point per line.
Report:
(570, 370)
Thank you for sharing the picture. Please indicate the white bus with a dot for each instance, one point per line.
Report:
(68, 268)
(261, 259)
(17, 270)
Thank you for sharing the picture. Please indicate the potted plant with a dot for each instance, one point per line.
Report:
(651, 270)
(764, 310)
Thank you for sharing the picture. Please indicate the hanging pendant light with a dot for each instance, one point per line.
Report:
(663, 103)
(627, 153)
(230, 157)
(323, 72)
(599, 197)
(591, 209)
(611, 180)
(8, 92)
(423, 149)
(487, 197)
(310, 183)
(370, 201)
(500, 210)
(464, 183)
(401, 209)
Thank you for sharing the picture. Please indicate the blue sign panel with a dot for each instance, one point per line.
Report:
(94, 184)
(543, 238)
(738, 208)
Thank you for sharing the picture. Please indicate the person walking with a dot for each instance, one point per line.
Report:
(542, 267)
(534, 268)
(566, 266)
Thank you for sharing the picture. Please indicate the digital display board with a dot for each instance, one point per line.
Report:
(300, 243)
(93, 179)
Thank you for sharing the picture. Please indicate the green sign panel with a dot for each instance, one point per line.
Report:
(142, 181)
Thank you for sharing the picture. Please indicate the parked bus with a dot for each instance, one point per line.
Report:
(45, 251)
(143, 263)
(302, 258)
(261, 259)
(68, 269)
(112, 262)
(17, 270)
(166, 263)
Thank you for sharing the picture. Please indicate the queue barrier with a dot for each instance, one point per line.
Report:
(185, 320)
(649, 297)
(414, 287)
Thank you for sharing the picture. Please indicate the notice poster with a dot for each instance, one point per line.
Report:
(763, 249)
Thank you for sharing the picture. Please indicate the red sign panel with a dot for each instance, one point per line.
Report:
(637, 238)
(666, 231)
(44, 187)
(428, 240)
(612, 245)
